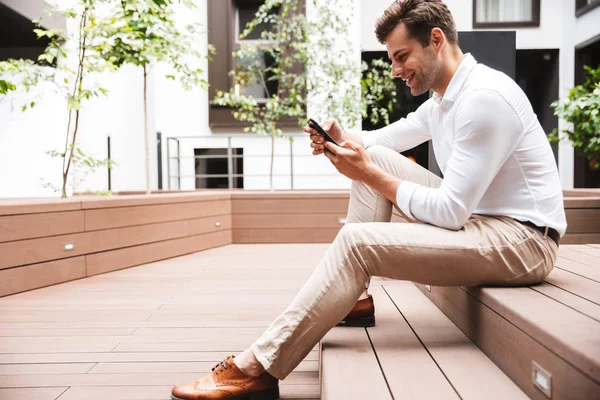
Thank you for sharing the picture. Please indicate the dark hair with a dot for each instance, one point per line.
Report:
(420, 17)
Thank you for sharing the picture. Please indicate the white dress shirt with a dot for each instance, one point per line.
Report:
(489, 144)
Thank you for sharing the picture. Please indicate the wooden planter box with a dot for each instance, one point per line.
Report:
(45, 242)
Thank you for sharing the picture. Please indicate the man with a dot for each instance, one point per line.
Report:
(495, 219)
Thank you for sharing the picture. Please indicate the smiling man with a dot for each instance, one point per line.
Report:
(495, 219)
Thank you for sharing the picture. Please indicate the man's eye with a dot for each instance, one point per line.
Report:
(401, 57)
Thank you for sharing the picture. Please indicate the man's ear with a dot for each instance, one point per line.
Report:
(437, 39)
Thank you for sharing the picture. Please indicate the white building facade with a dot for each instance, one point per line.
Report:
(176, 113)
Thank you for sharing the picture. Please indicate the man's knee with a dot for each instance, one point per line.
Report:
(382, 155)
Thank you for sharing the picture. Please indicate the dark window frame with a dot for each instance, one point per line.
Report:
(222, 36)
(581, 7)
(535, 21)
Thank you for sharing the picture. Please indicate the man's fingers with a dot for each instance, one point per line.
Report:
(318, 146)
(349, 144)
(329, 123)
(310, 130)
(317, 138)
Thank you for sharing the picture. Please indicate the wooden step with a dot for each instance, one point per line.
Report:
(548, 332)
(414, 352)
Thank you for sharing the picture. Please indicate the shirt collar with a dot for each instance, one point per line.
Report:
(457, 81)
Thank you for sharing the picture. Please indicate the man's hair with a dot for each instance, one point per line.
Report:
(420, 17)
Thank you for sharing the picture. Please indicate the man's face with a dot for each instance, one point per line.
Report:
(418, 66)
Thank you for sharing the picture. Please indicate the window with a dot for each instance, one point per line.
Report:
(584, 6)
(506, 13)
(226, 20)
(212, 169)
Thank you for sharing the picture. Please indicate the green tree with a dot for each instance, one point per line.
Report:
(143, 33)
(70, 77)
(581, 109)
(308, 56)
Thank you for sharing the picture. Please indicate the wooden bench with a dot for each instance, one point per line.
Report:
(545, 338)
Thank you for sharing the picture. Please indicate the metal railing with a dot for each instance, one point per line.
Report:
(176, 145)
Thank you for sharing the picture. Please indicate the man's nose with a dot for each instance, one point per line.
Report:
(397, 70)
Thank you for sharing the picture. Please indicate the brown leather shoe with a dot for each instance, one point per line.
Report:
(362, 315)
(227, 381)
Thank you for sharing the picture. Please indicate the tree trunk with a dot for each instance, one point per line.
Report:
(76, 90)
(146, 140)
(272, 161)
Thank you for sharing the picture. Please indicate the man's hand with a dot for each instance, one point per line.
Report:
(332, 127)
(351, 160)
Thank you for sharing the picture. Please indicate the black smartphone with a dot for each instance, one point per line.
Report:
(313, 124)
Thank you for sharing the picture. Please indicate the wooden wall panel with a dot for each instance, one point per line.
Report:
(36, 206)
(296, 206)
(288, 221)
(209, 224)
(107, 218)
(15, 280)
(585, 220)
(306, 235)
(51, 248)
(95, 202)
(123, 258)
(28, 226)
(580, 238)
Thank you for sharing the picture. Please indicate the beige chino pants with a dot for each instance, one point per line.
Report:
(488, 250)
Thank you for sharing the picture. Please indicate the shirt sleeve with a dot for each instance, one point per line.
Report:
(403, 134)
(487, 130)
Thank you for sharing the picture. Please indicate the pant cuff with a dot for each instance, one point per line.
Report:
(264, 361)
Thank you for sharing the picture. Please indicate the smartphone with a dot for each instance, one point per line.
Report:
(313, 124)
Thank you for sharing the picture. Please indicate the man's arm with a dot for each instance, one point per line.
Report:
(487, 130)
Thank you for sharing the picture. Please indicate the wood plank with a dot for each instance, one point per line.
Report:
(509, 347)
(298, 235)
(28, 226)
(45, 249)
(575, 284)
(582, 202)
(39, 369)
(290, 194)
(404, 361)
(108, 218)
(575, 302)
(67, 332)
(267, 205)
(49, 393)
(123, 258)
(588, 249)
(349, 367)
(566, 252)
(145, 392)
(580, 269)
(583, 220)
(111, 357)
(288, 221)
(170, 367)
(577, 238)
(586, 192)
(82, 380)
(95, 202)
(20, 279)
(34, 206)
(447, 344)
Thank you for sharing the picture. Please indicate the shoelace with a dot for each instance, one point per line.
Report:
(223, 365)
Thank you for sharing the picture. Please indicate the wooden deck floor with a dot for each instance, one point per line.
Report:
(132, 334)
